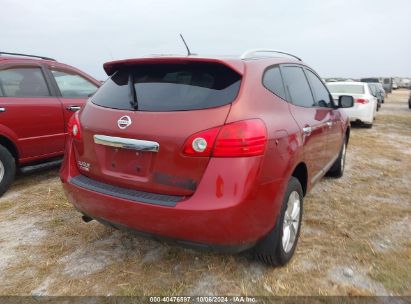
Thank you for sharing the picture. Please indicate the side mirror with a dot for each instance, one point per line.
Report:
(345, 101)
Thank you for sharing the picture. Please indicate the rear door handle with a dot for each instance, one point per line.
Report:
(307, 130)
(2, 110)
(73, 108)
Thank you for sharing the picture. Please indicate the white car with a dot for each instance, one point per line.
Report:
(365, 104)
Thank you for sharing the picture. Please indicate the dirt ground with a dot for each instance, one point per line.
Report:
(355, 236)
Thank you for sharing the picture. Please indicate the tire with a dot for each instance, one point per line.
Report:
(7, 169)
(274, 250)
(367, 125)
(337, 169)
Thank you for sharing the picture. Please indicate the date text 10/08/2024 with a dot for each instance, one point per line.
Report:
(203, 299)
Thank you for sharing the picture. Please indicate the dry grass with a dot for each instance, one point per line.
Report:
(361, 221)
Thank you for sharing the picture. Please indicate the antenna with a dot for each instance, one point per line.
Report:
(188, 50)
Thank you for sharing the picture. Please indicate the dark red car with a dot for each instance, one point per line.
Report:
(207, 152)
(38, 95)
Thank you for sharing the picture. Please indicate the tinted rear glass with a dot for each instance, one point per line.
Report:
(170, 87)
(273, 81)
(346, 88)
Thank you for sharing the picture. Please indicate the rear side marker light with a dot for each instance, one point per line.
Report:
(238, 139)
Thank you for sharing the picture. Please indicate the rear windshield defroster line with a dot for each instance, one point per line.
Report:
(169, 87)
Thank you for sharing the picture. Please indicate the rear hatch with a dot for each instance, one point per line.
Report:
(134, 128)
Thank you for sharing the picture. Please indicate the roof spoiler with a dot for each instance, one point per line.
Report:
(112, 66)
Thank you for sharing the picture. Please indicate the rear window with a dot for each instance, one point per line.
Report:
(169, 87)
(346, 88)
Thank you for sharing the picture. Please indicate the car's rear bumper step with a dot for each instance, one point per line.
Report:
(124, 193)
(41, 166)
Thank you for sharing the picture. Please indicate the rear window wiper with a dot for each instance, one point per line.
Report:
(132, 92)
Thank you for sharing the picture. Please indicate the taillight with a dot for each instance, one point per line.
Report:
(241, 138)
(73, 126)
(201, 144)
(361, 100)
(238, 139)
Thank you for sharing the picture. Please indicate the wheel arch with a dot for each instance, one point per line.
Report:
(9, 145)
(301, 173)
(347, 135)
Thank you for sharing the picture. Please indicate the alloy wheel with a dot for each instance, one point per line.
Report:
(344, 147)
(1, 171)
(291, 221)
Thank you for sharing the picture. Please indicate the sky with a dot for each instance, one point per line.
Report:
(337, 38)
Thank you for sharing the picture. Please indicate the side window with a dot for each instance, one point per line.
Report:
(72, 85)
(23, 82)
(273, 81)
(322, 97)
(297, 86)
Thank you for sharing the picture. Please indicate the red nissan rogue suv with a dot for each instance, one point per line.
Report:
(38, 95)
(208, 152)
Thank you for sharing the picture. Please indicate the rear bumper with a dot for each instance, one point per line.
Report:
(184, 243)
(230, 209)
(363, 113)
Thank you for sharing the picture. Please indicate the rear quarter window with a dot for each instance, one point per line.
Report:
(169, 87)
(273, 81)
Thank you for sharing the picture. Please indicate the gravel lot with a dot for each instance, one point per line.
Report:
(355, 238)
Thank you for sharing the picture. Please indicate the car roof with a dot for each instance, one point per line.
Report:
(51, 62)
(24, 59)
